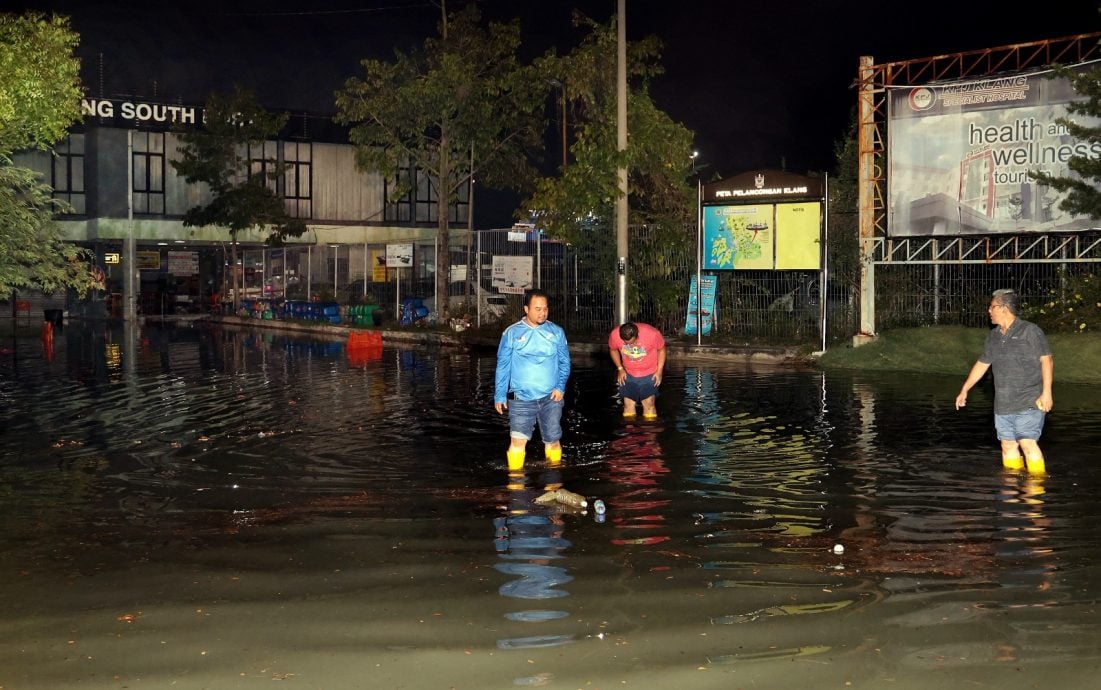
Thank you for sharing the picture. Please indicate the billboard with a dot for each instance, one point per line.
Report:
(762, 236)
(959, 155)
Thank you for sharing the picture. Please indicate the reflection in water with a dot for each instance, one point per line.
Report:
(636, 469)
(769, 515)
(530, 541)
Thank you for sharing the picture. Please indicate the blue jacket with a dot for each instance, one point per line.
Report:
(532, 361)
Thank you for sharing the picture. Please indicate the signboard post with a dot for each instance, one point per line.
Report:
(398, 256)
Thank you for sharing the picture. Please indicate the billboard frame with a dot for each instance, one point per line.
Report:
(873, 83)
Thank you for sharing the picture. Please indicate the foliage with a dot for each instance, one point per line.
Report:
(462, 106)
(578, 204)
(39, 81)
(582, 197)
(216, 156)
(1084, 191)
(1074, 308)
(39, 99)
(843, 243)
(32, 253)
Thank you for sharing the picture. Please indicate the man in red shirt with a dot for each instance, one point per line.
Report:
(638, 352)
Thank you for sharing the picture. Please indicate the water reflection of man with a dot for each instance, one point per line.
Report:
(530, 541)
(1024, 368)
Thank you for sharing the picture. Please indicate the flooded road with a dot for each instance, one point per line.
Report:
(213, 508)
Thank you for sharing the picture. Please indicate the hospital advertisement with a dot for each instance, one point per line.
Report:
(960, 154)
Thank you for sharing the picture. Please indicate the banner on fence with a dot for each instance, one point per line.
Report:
(399, 255)
(707, 312)
(512, 274)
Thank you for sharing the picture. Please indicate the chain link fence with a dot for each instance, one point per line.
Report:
(489, 270)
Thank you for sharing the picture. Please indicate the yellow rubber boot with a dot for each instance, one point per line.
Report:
(1013, 464)
(554, 455)
(515, 459)
(1036, 465)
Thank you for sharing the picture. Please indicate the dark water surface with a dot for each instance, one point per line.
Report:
(210, 508)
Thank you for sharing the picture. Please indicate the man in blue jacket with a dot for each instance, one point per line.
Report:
(533, 363)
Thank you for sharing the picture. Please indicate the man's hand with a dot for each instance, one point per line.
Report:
(961, 400)
(557, 395)
(500, 407)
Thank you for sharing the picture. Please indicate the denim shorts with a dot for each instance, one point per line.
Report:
(1020, 425)
(523, 414)
(638, 388)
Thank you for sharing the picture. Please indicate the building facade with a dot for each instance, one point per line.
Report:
(115, 173)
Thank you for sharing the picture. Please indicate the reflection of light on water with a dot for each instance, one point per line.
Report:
(787, 610)
(536, 615)
(808, 650)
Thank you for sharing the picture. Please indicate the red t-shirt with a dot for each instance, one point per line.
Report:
(640, 359)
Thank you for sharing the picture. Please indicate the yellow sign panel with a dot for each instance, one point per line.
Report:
(378, 266)
(111, 257)
(149, 261)
(798, 236)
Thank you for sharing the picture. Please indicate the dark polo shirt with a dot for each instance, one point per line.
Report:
(1014, 358)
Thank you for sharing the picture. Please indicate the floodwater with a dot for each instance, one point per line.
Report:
(200, 507)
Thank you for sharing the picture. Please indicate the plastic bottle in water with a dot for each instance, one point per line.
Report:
(598, 507)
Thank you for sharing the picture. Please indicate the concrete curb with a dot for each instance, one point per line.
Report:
(748, 354)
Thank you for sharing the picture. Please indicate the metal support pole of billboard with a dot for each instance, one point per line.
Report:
(823, 276)
(366, 275)
(621, 172)
(866, 194)
(699, 261)
(309, 272)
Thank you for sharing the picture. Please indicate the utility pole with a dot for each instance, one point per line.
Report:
(621, 172)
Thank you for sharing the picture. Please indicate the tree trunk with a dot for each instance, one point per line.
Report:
(235, 279)
(443, 252)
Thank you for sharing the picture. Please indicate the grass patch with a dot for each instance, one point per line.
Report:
(953, 349)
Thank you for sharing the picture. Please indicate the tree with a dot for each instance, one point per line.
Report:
(39, 100)
(462, 106)
(241, 198)
(1083, 192)
(578, 204)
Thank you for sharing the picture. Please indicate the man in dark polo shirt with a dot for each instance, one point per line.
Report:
(1023, 372)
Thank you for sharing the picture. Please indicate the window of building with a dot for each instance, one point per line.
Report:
(297, 180)
(421, 203)
(67, 174)
(263, 161)
(148, 171)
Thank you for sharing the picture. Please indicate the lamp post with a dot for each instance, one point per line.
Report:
(621, 173)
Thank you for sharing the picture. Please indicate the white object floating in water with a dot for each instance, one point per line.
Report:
(838, 549)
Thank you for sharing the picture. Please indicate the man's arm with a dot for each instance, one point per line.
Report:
(977, 372)
(1047, 374)
(503, 374)
(661, 367)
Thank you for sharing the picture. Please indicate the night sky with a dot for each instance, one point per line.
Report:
(763, 84)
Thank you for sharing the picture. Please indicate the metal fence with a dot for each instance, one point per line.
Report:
(752, 307)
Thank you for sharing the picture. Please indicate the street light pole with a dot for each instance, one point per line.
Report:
(621, 172)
